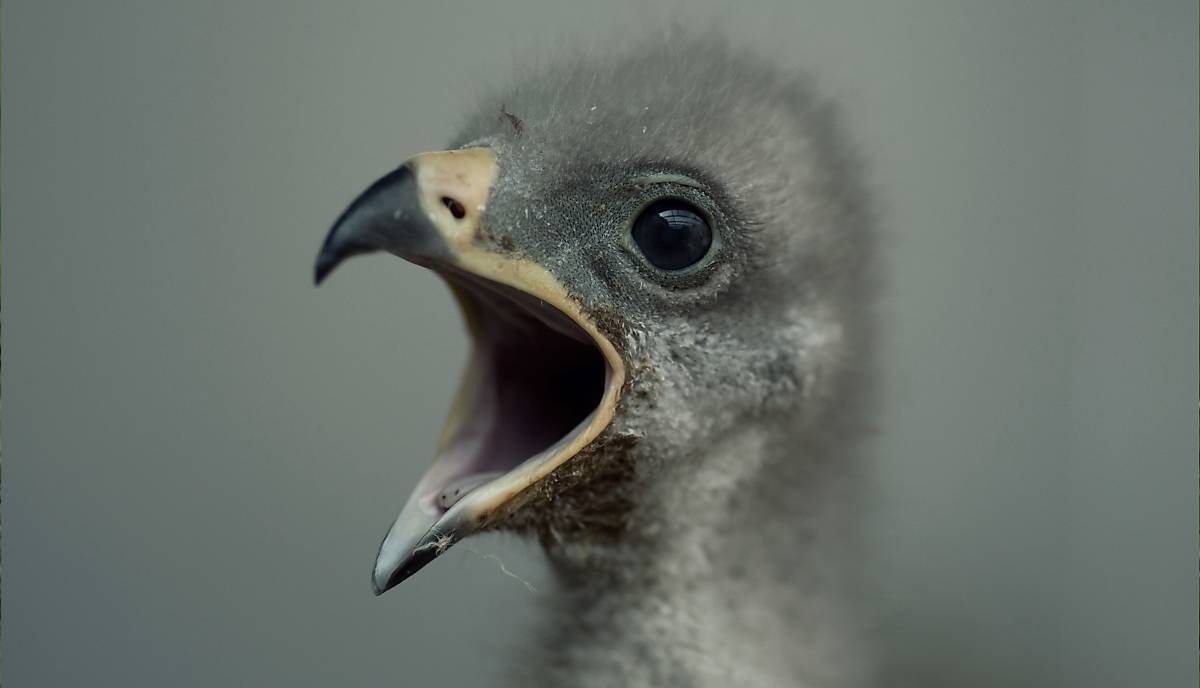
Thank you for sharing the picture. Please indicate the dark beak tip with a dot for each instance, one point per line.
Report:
(386, 217)
(395, 579)
(331, 255)
(321, 270)
(416, 561)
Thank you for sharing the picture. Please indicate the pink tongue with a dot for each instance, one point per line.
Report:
(458, 489)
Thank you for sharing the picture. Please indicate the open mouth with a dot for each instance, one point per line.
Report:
(534, 383)
(542, 381)
(541, 384)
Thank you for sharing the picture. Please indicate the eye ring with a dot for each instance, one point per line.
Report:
(672, 234)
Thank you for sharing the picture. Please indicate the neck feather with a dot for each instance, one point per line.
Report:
(736, 571)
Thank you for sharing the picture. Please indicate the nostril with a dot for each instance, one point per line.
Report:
(456, 208)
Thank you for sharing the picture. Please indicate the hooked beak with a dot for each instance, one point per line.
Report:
(542, 381)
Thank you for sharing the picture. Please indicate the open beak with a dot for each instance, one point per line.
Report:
(542, 381)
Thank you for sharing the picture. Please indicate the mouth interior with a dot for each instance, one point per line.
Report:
(534, 381)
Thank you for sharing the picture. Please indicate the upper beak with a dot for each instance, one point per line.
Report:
(429, 212)
(419, 211)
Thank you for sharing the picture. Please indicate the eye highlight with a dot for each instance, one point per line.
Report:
(672, 234)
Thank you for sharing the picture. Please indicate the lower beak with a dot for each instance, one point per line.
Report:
(429, 211)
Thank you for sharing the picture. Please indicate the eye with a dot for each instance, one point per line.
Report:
(672, 234)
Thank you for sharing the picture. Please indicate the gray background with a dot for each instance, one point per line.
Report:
(201, 452)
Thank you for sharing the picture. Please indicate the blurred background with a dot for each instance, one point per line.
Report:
(202, 452)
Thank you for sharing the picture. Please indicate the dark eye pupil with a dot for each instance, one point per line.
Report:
(672, 234)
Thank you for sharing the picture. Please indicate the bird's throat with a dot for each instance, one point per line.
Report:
(735, 570)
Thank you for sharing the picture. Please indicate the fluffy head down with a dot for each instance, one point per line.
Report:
(760, 332)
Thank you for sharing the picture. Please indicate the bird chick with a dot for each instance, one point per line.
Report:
(664, 261)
